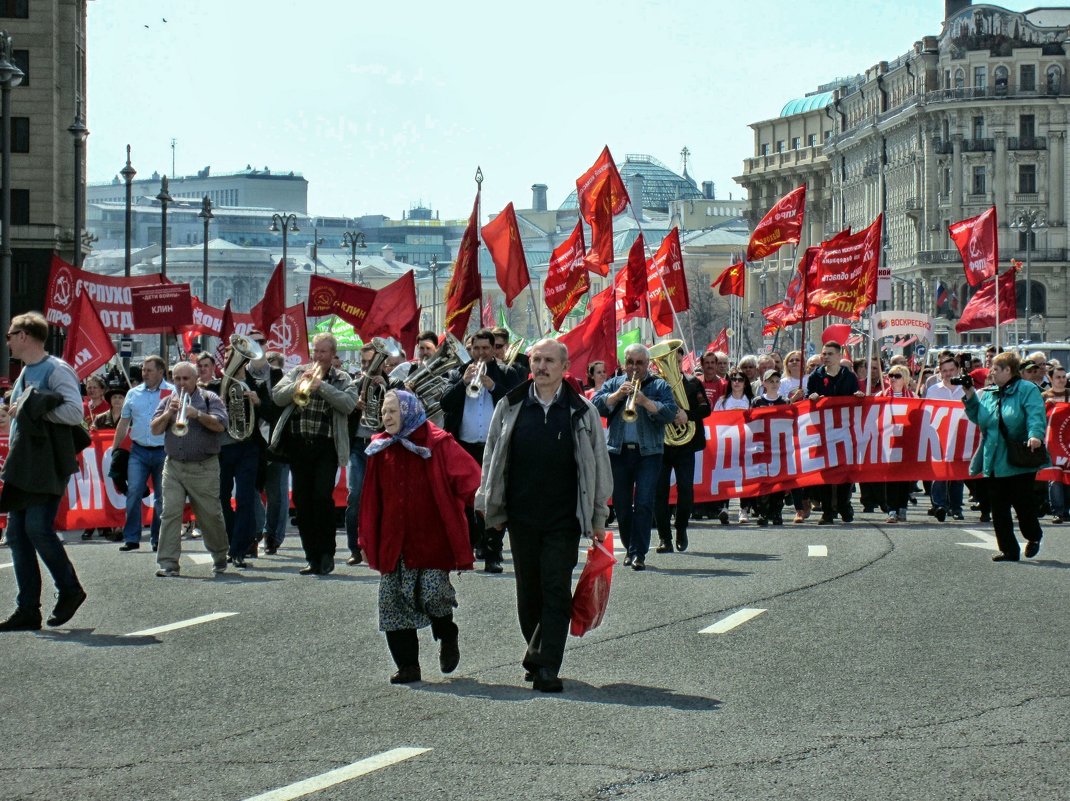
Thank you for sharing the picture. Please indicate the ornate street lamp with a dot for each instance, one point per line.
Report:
(287, 223)
(1028, 221)
(353, 240)
(10, 76)
(128, 172)
(79, 132)
(205, 214)
(164, 197)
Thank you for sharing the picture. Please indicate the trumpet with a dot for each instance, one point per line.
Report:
(475, 386)
(630, 415)
(303, 390)
(181, 426)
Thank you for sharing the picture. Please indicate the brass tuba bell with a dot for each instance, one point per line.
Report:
(664, 356)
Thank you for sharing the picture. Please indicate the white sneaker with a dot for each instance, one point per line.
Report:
(743, 517)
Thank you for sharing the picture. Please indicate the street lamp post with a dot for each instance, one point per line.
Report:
(1028, 221)
(205, 214)
(434, 267)
(353, 240)
(128, 172)
(10, 75)
(288, 225)
(164, 197)
(317, 240)
(78, 130)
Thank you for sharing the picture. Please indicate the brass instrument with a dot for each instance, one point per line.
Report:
(181, 425)
(372, 392)
(513, 351)
(475, 386)
(240, 412)
(428, 381)
(629, 414)
(664, 356)
(303, 390)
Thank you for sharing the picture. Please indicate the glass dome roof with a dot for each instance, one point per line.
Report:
(660, 184)
(803, 104)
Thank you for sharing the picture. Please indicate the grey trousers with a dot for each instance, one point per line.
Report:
(198, 481)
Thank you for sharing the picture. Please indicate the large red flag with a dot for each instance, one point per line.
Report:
(621, 292)
(978, 244)
(465, 286)
(273, 304)
(88, 344)
(595, 337)
(566, 277)
(603, 174)
(635, 276)
(980, 312)
(844, 274)
(731, 281)
(331, 296)
(782, 225)
(667, 284)
(486, 319)
(720, 342)
(502, 236)
(600, 256)
(225, 332)
(288, 334)
(394, 313)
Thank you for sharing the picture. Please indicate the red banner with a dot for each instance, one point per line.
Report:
(88, 345)
(394, 313)
(666, 284)
(980, 312)
(782, 225)
(273, 304)
(720, 343)
(600, 256)
(166, 306)
(602, 175)
(502, 237)
(731, 281)
(209, 320)
(978, 243)
(566, 277)
(289, 335)
(110, 295)
(845, 274)
(331, 296)
(465, 286)
(595, 337)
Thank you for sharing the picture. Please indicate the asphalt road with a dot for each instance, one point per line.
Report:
(904, 664)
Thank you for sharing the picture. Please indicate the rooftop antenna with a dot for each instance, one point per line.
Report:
(173, 143)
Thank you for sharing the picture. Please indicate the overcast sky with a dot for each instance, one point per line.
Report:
(385, 105)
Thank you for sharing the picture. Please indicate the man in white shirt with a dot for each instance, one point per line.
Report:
(947, 495)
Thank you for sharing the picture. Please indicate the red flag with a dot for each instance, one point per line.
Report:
(566, 277)
(288, 334)
(603, 174)
(732, 281)
(782, 225)
(225, 332)
(595, 337)
(635, 276)
(843, 278)
(620, 288)
(720, 343)
(667, 284)
(465, 286)
(502, 236)
(837, 332)
(486, 319)
(273, 304)
(770, 328)
(88, 344)
(980, 312)
(978, 244)
(331, 296)
(600, 256)
(187, 339)
(394, 313)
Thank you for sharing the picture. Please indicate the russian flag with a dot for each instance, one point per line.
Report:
(941, 296)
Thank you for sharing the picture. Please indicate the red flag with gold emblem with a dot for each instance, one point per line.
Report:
(731, 281)
(603, 175)
(465, 286)
(782, 225)
(502, 236)
(566, 277)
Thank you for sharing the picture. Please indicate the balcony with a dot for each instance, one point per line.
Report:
(978, 145)
(994, 93)
(942, 147)
(1038, 254)
(939, 257)
(1027, 143)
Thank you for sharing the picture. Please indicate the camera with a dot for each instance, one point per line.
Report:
(964, 381)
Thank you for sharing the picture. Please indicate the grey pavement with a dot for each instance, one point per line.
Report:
(903, 665)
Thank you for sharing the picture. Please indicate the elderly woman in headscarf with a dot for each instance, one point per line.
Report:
(413, 530)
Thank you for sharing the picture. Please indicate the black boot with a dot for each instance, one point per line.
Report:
(445, 631)
(23, 620)
(405, 650)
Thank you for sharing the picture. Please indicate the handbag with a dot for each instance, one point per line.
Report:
(1019, 454)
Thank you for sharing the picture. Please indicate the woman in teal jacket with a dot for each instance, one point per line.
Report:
(1008, 485)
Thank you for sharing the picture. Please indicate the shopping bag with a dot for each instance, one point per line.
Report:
(591, 596)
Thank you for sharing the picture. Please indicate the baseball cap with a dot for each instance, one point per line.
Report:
(770, 374)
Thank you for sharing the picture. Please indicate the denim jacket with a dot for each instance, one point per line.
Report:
(651, 427)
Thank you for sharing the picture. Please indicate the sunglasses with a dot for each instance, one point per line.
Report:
(16, 331)
(896, 377)
(738, 378)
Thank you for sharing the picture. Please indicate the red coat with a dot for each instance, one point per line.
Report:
(415, 507)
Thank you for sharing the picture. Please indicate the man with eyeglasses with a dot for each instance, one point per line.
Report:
(635, 446)
(45, 409)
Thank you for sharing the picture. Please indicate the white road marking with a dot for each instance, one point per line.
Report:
(988, 540)
(339, 775)
(735, 619)
(7, 564)
(182, 624)
(200, 558)
(817, 550)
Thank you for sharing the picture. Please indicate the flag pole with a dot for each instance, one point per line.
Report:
(479, 234)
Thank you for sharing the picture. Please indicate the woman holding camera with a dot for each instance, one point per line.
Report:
(1012, 410)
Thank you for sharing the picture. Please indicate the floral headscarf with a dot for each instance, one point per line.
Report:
(412, 417)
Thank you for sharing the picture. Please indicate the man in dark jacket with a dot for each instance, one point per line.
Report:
(45, 407)
(827, 381)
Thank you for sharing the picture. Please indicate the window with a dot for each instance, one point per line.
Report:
(828, 135)
(20, 134)
(20, 207)
(1027, 239)
(978, 181)
(947, 181)
(764, 149)
(1002, 75)
(979, 127)
(1027, 77)
(980, 78)
(796, 143)
(22, 61)
(1027, 178)
(779, 145)
(960, 78)
(1054, 76)
(19, 9)
(1027, 126)
(811, 140)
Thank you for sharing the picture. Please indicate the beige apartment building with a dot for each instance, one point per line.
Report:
(974, 117)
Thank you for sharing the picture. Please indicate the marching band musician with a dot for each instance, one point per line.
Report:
(191, 468)
(314, 431)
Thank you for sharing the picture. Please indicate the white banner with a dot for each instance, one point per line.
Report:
(902, 324)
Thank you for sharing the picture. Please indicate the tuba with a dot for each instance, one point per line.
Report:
(371, 392)
(664, 356)
(242, 420)
(428, 381)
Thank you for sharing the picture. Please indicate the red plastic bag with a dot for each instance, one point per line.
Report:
(591, 597)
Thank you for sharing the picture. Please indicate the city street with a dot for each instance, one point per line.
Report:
(861, 662)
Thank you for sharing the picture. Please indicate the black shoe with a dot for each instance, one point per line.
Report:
(628, 560)
(940, 514)
(271, 550)
(778, 520)
(545, 680)
(681, 542)
(723, 517)
(493, 566)
(763, 521)
(664, 547)
(529, 676)
(1032, 548)
(66, 606)
(1005, 557)
(327, 564)
(449, 655)
(88, 534)
(309, 570)
(129, 546)
(354, 560)
(480, 553)
(406, 675)
(238, 562)
(639, 563)
(825, 521)
(155, 547)
(986, 517)
(847, 515)
(22, 620)
(867, 510)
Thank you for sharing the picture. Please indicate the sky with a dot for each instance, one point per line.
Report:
(384, 106)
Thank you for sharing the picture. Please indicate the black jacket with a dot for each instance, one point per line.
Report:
(843, 383)
(698, 409)
(452, 402)
(43, 454)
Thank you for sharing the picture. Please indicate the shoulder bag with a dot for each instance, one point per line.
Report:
(1019, 454)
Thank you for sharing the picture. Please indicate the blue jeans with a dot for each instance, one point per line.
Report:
(144, 463)
(32, 531)
(635, 479)
(948, 495)
(238, 463)
(358, 461)
(277, 489)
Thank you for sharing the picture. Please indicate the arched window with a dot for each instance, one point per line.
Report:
(1001, 77)
(960, 78)
(1055, 79)
(1039, 300)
